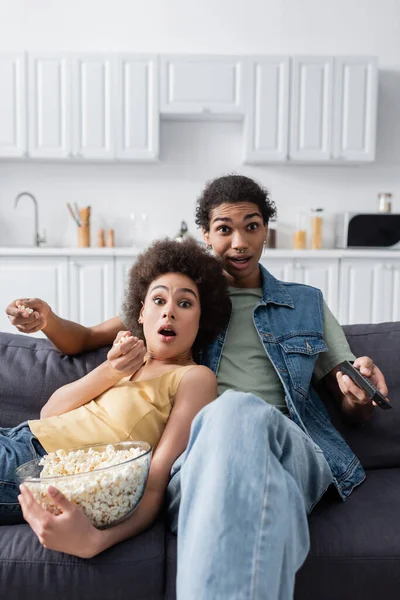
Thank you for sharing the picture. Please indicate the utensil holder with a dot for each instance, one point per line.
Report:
(84, 236)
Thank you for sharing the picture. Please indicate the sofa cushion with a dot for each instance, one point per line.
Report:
(132, 569)
(355, 546)
(377, 443)
(31, 369)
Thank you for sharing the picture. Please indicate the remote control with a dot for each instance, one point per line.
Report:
(364, 383)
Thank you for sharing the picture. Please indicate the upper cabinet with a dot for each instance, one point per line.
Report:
(304, 109)
(12, 105)
(94, 107)
(49, 78)
(311, 108)
(202, 86)
(137, 107)
(355, 108)
(267, 114)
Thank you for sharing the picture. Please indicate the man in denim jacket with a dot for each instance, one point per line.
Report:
(262, 455)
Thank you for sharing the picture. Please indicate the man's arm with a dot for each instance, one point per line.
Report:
(67, 336)
(353, 401)
(72, 532)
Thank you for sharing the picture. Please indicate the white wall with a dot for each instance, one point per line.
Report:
(192, 153)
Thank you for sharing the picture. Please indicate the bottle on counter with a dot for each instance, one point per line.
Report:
(272, 233)
(300, 234)
(100, 238)
(385, 202)
(316, 228)
(110, 238)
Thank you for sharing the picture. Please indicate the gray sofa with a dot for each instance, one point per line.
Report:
(355, 546)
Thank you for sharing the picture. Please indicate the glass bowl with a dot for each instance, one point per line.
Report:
(107, 495)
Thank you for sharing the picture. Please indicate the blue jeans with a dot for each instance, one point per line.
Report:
(239, 498)
(18, 445)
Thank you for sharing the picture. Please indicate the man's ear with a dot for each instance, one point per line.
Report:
(206, 236)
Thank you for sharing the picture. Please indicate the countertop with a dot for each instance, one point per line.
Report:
(269, 253)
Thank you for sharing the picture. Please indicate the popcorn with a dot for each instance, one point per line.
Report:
(106, 495)
(28, 310)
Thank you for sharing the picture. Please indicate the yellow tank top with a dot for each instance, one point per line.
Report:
(129, 411)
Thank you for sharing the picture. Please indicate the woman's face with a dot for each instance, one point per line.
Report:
(171, 315)
(237, 235)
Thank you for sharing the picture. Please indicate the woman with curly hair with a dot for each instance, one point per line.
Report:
(176, 298)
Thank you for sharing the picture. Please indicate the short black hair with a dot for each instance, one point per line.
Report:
(232, 189)
(190, 259)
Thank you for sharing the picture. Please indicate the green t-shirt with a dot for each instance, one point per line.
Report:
(245, 366)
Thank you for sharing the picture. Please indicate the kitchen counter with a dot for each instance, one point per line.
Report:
(269, 253)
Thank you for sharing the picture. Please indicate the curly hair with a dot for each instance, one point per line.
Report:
(190, 259)
(232, 189)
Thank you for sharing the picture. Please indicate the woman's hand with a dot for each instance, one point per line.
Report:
(127, 353)
(32, 317)
(69, 532)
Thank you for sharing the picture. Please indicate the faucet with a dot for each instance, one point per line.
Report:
(38, 240)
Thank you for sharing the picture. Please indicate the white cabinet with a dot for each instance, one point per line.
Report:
(28, 277)
(122, 268)
(355, 108)
(94, 106)
(369, 291)
(311, 108)
(202, 85)
(91, 284)
(137, 108)
(267, 113)
(49, 106)
(320, 273)
(12, 105)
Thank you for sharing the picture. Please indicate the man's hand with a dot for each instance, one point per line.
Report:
(367, 368)
(69, 532)
(127, 353)
(28, 321)
(354, 401)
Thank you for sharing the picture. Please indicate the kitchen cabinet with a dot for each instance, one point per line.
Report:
(311, 108)
(12, 105)
(137, 108)
(50, 109)
(22, 277)
(369, 291)
(267, 109)
(94, 106)
(122, 267)
(321, 273)
(355, 108)
(202, 86)
(91, 285)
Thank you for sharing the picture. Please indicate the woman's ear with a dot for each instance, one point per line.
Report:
(140, 319)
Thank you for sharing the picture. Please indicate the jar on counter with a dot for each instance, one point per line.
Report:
(272, 233)
(316, 228)
(385, 202)
(300, 233)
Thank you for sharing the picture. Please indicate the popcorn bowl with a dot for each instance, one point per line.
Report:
(106, 480)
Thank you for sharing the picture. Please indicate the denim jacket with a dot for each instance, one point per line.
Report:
(289, 322)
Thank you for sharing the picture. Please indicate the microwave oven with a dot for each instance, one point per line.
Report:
(367, 230)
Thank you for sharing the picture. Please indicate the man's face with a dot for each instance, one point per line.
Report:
(237, 235)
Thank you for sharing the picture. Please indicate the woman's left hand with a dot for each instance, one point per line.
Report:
(69, 532)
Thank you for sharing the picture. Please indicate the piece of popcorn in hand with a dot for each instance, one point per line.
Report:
(119, 342)
(28, 310)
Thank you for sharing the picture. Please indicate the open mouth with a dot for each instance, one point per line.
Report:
(166, 331)
(239, 260)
